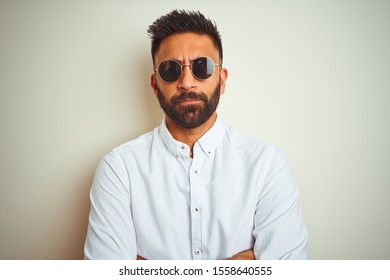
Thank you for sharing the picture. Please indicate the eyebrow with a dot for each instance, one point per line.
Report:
(178, 60)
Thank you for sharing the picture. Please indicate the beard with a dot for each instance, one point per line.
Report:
(189, 116)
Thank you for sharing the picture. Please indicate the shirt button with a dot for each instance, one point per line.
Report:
(198, 251)
(197, 209)
(196, 171)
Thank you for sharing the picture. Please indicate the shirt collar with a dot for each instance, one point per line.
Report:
(208, 142)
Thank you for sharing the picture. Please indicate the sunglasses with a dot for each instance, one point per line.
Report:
(202, 68)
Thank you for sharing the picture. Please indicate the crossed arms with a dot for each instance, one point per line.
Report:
(244, 255)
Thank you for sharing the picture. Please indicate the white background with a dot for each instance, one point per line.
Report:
(311, 77)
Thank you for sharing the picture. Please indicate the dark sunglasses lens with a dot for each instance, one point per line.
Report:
(169, 70)
(203, 67)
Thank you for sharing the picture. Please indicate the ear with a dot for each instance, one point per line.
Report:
(153, 83)
(223, 75)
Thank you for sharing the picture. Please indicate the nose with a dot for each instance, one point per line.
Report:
(187, 81)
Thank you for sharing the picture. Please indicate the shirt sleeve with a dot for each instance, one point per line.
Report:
(111, 233)
(280, 232)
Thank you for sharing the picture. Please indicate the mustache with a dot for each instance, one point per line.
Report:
(189, 95)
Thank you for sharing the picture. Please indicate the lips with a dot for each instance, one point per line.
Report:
(189, 98)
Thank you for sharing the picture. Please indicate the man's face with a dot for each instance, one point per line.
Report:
(188, 102)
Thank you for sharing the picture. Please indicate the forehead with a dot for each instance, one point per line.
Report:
(186, 46)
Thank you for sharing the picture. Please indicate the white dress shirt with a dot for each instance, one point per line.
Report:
(150, 198)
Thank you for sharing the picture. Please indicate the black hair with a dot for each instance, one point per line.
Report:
(182, 22)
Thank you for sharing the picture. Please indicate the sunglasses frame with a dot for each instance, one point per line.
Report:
(191, 68)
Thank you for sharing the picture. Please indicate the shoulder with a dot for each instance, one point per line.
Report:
(242, 141)
(132, 147)
(254, 149)
(141, 142)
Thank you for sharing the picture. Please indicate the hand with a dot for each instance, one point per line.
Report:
(244, 255)
(139, 258)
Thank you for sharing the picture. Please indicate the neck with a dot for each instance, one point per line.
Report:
(189, 135)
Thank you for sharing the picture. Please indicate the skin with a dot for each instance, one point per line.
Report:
(186, 47)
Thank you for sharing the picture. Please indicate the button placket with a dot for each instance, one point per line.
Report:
(196, 202)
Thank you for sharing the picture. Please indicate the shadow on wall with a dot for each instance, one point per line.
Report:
(80, 220)
(150, 116)
(151, 110)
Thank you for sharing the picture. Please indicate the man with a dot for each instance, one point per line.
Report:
(193, 188)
